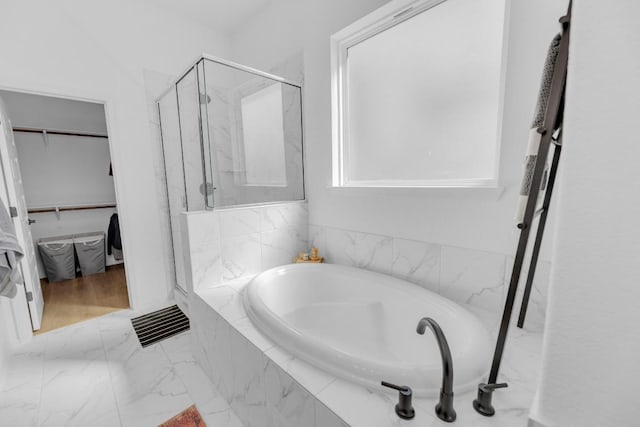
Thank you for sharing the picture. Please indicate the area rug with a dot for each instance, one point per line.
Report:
(190, 417)
(159, 325)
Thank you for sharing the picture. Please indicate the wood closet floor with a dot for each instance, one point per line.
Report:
(83, 298)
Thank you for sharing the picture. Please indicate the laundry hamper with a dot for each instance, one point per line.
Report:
(58, 258)
(90, 251)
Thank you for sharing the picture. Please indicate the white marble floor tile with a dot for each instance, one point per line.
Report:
(21, 390)
(145, 382)
(177, 348)
(159, 401)
(96, 374)
(217, 413)
(75, 390)
(80, 340)
(99, 409)
(18, 410)
(198, 385)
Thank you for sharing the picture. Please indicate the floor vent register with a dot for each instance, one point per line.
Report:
(159, 325)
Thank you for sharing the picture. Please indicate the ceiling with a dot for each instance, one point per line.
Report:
(224, 15)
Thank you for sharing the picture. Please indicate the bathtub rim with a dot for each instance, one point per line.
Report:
(277, 330)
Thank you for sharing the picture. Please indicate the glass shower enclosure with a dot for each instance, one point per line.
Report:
(231, 135)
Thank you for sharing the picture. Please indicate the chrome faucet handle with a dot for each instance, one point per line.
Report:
(404, 408)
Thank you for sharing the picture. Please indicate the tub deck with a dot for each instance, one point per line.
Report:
(263, 382)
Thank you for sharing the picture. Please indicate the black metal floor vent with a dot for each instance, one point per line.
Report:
(159, 325)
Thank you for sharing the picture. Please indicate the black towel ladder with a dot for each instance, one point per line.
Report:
(551, 134)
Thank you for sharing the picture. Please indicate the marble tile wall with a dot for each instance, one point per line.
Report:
(463, 275)
(227, 244)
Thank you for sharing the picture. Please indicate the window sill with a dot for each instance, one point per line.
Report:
(440, 183)
(479, 192)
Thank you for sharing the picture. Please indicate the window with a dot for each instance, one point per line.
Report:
(417, 91)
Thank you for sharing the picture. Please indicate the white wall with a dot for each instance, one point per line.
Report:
(274, 34)
(480, 219)
(65, 170)
(36, 111)
(102, 51)
(459, 242)
(590, 368)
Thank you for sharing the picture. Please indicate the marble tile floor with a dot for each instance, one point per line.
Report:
(96, 374)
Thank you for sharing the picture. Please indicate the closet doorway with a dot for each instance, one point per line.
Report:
(57, 163)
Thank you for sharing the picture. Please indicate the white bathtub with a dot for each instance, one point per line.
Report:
(361, 326)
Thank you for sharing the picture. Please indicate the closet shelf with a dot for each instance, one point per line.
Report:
(43, 209)
(59, 132)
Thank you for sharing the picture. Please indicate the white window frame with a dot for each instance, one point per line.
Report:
(389, 15)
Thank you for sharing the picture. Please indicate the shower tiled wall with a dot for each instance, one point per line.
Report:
(463, 275)
(227, 244)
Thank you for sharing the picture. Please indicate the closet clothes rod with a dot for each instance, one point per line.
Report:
(60, 132)
(70, 208)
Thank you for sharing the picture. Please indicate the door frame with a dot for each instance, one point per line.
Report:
(12, 180)
(18, 307)
(101, 96)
